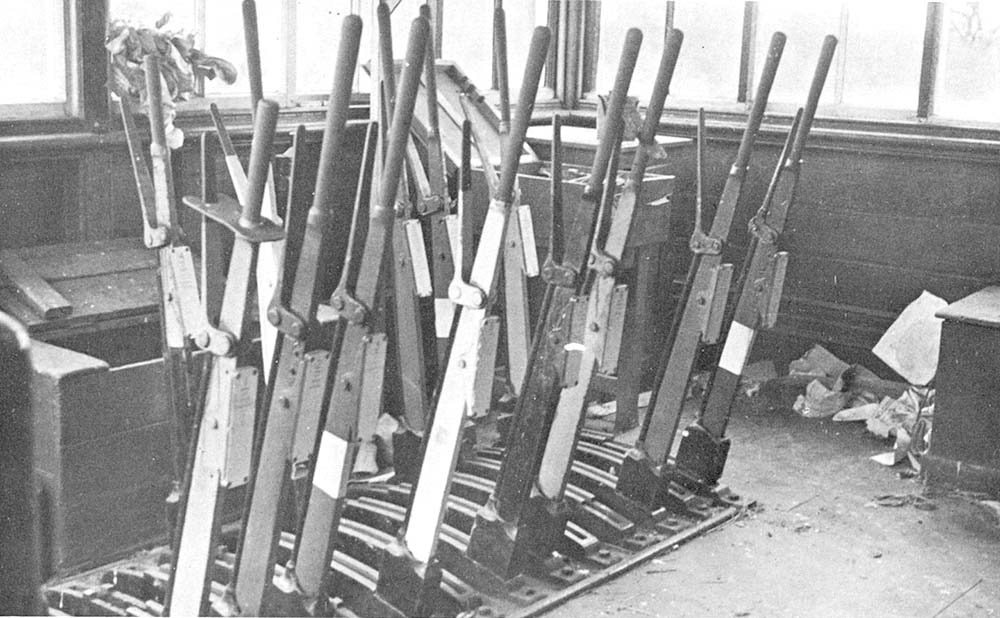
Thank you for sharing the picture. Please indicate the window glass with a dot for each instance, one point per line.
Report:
(145, 13)
(224, 38)
(318, 38)
(884, 46)
(968, 85)
(32, 42)
(651, 18)
(709, 64)
(805, 24)
(467, 38)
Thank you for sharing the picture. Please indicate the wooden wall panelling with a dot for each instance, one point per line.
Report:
(33, 198)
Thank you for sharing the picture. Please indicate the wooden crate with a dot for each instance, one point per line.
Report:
(964, 448)
(102, 456)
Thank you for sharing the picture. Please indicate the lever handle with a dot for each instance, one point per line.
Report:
(537, 53)
(556, 223)
(430, 77)
(489, 172)
(613, 120)
(503, 85)
(465, 172)
(251, 38)
(337, 111)
(699, 169)
(457, 223)
(668, 62)
(760, 101)
(154, 92)
(386, 63)
(815, 90)
(399, 130)
(435, 157)
(265, 124)
(786, 151)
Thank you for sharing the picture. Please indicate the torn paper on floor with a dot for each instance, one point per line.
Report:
(910, 345)
(819, 401)
(819, 362)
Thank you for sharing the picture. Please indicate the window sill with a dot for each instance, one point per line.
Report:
(892, 134)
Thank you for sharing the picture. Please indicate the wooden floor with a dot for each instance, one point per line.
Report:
(815, 545)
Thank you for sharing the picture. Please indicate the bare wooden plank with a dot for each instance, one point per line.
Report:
(88, 259)
(112, 295)
(35, 291)
(981, 308)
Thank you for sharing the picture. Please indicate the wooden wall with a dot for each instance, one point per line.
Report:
(71, 188)
(878, 218)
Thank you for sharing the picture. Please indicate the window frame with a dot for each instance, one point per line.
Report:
(86, 102)
(921, 113)
(88, 106)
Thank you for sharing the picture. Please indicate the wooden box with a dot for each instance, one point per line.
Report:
(965, 443)
(102, 456)
(101, 438)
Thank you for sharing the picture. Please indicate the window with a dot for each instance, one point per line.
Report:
(968, 85)
(467, 37)
(894, 60)
(298, 41)
(883, 46)
(650, 18)
(708, 68)
(32, 41)
(805, 25)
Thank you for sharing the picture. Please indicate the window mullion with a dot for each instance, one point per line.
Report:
(841, 59)
(289, 41)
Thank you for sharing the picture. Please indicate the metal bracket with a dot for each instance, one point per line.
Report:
(418, 258)
(712, 302)
(227, 212)
(602, 262)
(239, 432)
(348, 308)
(577, 321)
(527, 228)
(466, 294)
(615, 329)
(370, 401)
(481, 394)
(317, 369)
(771, 298)
(285, 320)
(762, 230)
(703, 244)
(430, 204)
(181, 294)
(558, 275)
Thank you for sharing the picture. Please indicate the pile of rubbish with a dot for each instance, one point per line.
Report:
(898, 411)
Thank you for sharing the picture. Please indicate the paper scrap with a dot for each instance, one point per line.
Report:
(910, 345)
(819, 401)
(857, 413)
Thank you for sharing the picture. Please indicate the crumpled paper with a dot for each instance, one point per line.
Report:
(907, 420)
(910, 345)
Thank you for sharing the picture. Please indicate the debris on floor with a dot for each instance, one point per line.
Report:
(755, 375)
(829, 387)
(898, 500)
(907, 420)
(910, 345)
